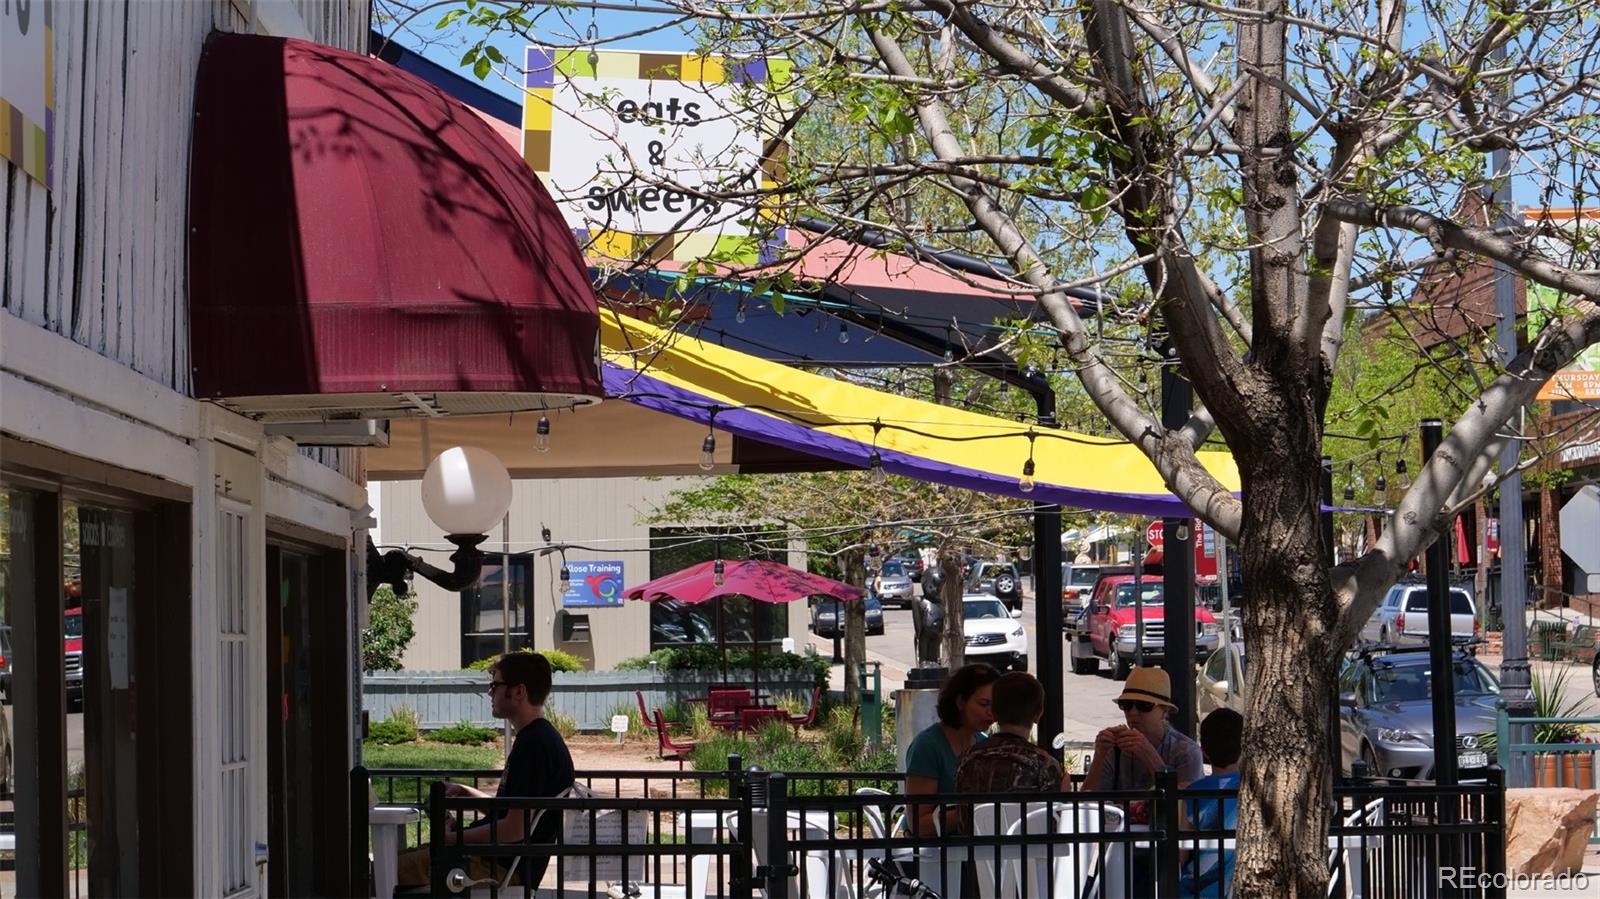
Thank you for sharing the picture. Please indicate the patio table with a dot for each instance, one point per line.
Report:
(388, 825)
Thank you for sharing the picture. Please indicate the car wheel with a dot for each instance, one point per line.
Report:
(1021, 664)
(1383, 634)
(1120, 668)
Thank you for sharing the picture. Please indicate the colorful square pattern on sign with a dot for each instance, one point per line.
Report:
(27, 87)
(596, 127)
(593, 584)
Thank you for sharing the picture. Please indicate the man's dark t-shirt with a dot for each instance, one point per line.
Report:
(539, 765)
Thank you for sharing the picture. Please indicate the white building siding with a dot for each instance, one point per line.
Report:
(593, 512)
(102, 259)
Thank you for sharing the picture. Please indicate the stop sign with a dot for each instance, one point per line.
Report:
(1153, 535)
(1580, 520)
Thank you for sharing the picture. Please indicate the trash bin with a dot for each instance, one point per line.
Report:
(916, 706)
(871, 699)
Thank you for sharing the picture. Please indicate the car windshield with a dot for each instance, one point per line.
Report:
(1150, 593)
(979, 609)
(1414, 682)
(893, 568)
(75, 625)
(1083, 577)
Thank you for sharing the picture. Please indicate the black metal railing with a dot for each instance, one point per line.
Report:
(697, 834)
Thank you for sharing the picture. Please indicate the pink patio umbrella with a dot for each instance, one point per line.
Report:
(757, 579)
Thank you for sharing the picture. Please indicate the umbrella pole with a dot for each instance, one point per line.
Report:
(722, 639)
(755, 651)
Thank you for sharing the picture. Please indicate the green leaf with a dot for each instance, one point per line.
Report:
(449, 17)
(482, 67)
(777, 303)
(493, 53)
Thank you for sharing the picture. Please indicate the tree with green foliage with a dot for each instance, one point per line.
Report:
(389, 630)
(1239, 180)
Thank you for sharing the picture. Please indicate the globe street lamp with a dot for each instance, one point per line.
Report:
(464, 491)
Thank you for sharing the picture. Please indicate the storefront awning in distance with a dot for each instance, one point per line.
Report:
(365, 246)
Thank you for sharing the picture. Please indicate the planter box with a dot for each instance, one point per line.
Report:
(441, 698)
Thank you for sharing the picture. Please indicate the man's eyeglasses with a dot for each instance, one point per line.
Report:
(1128, 705)
(501, 683)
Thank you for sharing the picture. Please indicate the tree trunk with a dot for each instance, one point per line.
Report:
(955, 632)
(1290, 615)
(855, 624)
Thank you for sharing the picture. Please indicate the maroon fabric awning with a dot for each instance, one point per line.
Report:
(363, 241)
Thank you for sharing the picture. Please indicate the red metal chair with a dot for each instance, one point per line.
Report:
(723, 705)
(810, 717)
(670, 751)
(649, 720)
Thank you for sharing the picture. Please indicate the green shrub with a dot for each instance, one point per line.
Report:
(392, 730)
(559, 661)
(565, 725)
(389, 630)
(464, 733)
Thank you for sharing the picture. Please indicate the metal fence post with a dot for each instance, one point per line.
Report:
(1494, 811)
(1166, 818)
(358, 831)
(739, 871)
(776, 871)
(437, 872)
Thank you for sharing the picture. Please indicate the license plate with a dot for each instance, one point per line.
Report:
(1473, 760)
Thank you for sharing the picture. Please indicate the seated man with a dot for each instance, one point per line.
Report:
(1207, 873)
(539, 765)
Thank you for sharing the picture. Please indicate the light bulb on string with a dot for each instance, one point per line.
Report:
(1026, 482)
(1380, 483)
(738, 315)
(566, 577)
(875, 468)
(541, 435)
(1025, 552)
(708, 453)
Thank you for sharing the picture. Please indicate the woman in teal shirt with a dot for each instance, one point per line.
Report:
(964, 716)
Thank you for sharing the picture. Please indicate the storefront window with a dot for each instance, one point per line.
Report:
(676, 624)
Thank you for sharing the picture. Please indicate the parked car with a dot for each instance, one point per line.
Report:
(74, 655)
(998, 579)
(825, 620)
(1077, 584)
(911, 561)
(1221, 682)
(993, 633)
(1386, 712)
(1402, 617)
(893, 584)
(1112, 633)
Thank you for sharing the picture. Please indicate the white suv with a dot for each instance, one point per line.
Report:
(1402, 617)
(993, 633)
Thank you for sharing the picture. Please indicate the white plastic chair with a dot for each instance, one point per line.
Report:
(816, 862)
(1068, 864)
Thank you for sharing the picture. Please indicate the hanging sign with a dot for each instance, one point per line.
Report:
(630, 146)
(593, 585)
(27, 96)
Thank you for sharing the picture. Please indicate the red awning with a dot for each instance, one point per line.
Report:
(363, 245)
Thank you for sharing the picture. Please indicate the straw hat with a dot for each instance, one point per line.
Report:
(1148, 685)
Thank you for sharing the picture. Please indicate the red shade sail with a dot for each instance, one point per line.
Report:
(363, 241)
(758, 579)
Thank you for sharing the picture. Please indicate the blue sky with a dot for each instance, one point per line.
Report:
(557, 25)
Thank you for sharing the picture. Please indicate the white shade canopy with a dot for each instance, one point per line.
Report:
(466, 490)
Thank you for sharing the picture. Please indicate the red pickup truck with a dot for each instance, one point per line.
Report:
(1109, 628)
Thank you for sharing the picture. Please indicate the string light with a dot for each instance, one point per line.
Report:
(1381, 483)
(1026, 482)
(875, 461)
(738, 316)
(566, 577)
(1350, 482)
(708, 446)
(1025, 551)
(541, 435)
